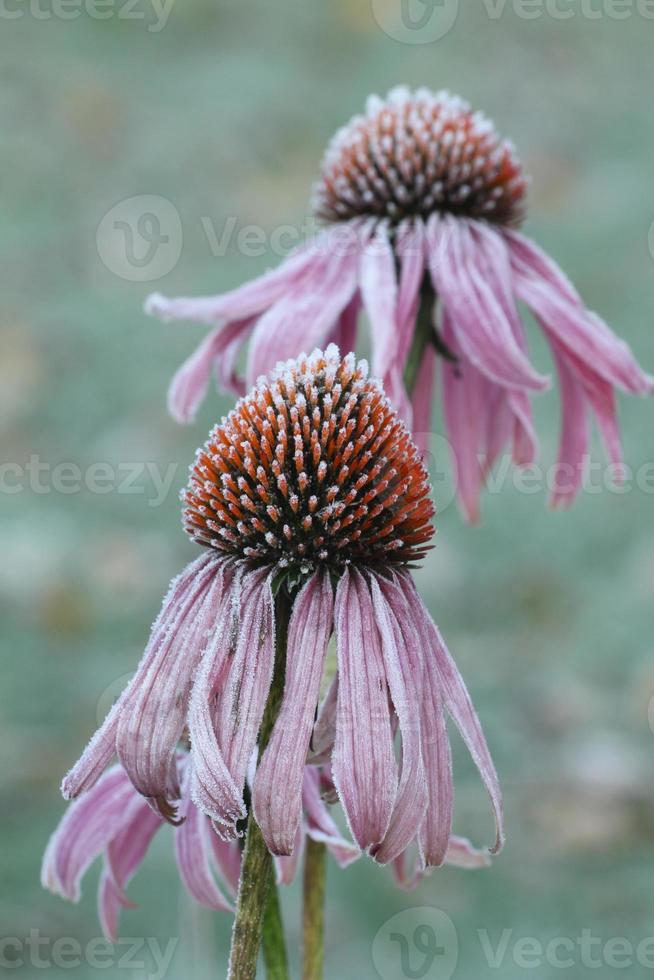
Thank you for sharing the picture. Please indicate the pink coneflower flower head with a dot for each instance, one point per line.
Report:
(311, 501)
(422, 200)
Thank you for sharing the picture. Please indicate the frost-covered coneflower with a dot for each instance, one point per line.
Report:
(312, 504)
(422, 200)
(112, 820)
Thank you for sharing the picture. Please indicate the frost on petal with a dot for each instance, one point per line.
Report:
(403, 664)
(244, 302)
(575, 435)
(228, 700)
(378, 286)
(101, 748)
(457, 702)
(218, 351)
(462, 854)
(277, 797)
(85, 830)
(480, 323)
(194, 853)
(307, 313)
(364, 766)
(319, 824)
(539, 282)
(154, 713)
(123, 858)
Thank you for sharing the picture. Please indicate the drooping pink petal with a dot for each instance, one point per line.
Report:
(307, 313)
(540, 283)
(123, 857)
(319, 824)
(409, 250)
(464, 412)
(277, 796)
(237, 681)
(194, 853)
(494, 263)
(189, 385)
(213, 789)
(364, 767)
(286, 865)
(154, 714)
(482, 329)
(227, 860)
(422, 401)
(85, 830)
(457, 702)
(378, 284)
(403, 665)
(574, 441)
(324, 730)
(461, 854)
(245, 301)
(345, 334)
(100, 750)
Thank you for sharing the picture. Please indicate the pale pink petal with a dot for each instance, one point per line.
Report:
(85, 830)
(324, 730)
(574, 441)
(102, 747)
(305, 315)
(123, 858)
(319, 824)
(464, 412)
(213, 789)
(286, 865)
(410, 251)
(378, 284)
(422, 401)
(237, 680)
(364, 767)
(154, 714)
(227, 859)
(194, 853)
(403, 663)
(189, 385)
(277, 796)
(544, 288)
(345, 334)
(245, 301)
(483, 331)
(457, 702)
(461, 854)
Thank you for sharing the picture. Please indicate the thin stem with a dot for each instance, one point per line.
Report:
(313, 913)
(256, 864)
(426, 332)
(274, 947)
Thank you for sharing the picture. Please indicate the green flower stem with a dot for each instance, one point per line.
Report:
(313, 914)
(425, 333)
(256, 902)
(274, 947)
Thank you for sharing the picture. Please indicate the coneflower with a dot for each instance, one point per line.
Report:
(312, 504)
(422, 200)
(312, 488)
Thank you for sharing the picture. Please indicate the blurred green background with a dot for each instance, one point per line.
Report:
(223, 110)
